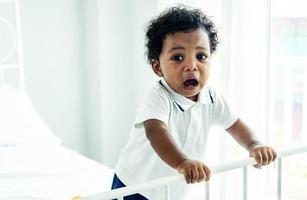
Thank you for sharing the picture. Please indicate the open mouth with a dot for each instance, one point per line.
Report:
(190, 84)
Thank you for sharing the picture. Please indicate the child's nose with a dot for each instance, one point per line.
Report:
(190, 65)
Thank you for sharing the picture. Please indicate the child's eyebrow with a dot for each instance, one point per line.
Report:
(201, 47)
(182, 48)
(176, 48)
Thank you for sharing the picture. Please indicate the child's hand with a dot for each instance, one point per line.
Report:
(194, 171)
(264, 155)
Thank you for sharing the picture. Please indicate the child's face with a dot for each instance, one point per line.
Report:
(184, 62)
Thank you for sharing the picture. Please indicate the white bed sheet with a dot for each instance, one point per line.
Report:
(49, 171)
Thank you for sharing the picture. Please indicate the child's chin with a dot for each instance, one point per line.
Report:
(191, 94)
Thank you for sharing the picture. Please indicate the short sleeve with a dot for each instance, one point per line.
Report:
(155, 105)
(222, 114)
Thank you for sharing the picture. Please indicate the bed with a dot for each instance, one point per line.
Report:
(33, 162)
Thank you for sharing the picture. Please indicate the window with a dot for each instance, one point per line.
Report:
(288, 89)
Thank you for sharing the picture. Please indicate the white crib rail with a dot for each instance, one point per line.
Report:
(14, 26)
(121, 192)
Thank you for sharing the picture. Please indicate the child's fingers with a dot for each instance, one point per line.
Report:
(195, 175)
(202, 174)
(194, 171)
(187, 175)
(258, 157)
(265, 157)
(257, 166)
(271, 155)
(207, 173)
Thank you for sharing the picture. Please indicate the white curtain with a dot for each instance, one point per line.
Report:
(244, 80)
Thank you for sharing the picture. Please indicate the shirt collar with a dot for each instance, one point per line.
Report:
(183, 103)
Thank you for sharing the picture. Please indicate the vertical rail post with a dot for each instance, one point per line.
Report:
(279, 178)
(245, 183)
(207, 191)
(167, 192)
(19, 45)
(121, 198)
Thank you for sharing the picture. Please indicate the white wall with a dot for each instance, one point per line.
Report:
(85, 69)
(124, 74)
(53, 71)
(91, 71)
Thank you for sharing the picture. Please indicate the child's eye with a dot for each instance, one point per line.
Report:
(201, 56)
(177, 58)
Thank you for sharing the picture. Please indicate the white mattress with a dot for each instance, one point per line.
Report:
(49, 171)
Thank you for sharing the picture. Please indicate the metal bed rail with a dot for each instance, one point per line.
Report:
(133, 189)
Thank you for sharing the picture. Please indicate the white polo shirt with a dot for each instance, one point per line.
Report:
(188, 122)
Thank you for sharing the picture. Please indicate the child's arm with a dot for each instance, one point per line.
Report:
(263, 154)
(164, 145)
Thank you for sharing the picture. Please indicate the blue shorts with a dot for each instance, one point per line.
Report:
(118, 184)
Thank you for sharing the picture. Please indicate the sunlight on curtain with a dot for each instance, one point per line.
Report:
(244, 30)
(288, 89)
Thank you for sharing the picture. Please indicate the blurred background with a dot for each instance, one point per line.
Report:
(86, 73)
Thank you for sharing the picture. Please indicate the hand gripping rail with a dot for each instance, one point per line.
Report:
(121, 192)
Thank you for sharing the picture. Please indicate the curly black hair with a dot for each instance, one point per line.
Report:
(179, 18)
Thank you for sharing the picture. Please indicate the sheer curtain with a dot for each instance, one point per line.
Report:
(244, 76)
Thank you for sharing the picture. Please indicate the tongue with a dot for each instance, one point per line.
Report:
(189, 87)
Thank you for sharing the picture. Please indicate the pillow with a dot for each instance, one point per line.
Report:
(19, 121)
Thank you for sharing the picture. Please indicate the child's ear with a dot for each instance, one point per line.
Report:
(155, 65)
